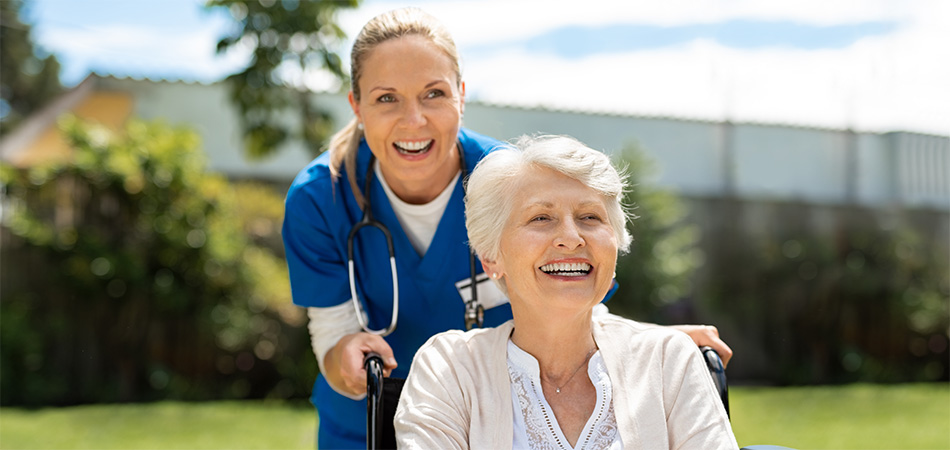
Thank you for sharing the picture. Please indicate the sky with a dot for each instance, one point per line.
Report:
(870, 65)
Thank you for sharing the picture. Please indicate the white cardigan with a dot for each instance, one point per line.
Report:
(457, 394)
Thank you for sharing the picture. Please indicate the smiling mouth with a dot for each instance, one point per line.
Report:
(566, 269)
(413, 148)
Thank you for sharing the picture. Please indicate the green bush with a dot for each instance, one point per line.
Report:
(866, 299)
(658, 271)
(130, 273)
(868, 305)
(805, 294)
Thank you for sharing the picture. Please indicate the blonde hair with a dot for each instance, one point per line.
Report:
(491, 186)
(391, 25)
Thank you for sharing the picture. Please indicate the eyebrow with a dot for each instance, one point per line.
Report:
(392, 89)
(547, 204)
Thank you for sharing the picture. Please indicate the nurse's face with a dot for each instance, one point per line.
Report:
(558, 250)
(411, 106)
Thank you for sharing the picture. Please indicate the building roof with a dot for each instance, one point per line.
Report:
(38, 140)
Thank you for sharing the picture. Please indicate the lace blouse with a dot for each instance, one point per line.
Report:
(535, 426)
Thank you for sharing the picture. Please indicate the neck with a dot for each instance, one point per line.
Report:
(559, 344)
(422, 191)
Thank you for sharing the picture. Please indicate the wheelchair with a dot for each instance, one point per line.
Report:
(382, 396)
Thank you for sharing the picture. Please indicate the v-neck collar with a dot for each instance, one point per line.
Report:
(431, 266)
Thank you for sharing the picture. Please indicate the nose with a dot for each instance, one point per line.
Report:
(413, 115)
(569, 236)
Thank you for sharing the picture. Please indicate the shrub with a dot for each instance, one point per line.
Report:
(129, 274)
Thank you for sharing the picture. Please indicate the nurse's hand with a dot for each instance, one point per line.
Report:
(344, 362)
(707, 335)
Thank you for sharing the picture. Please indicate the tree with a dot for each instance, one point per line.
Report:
(664, 255)
(288, 38)
(863, 301)
(131, 274)
(28, 78)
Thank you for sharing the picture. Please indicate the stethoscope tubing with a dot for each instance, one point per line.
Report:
(367, 221)
(474, 312)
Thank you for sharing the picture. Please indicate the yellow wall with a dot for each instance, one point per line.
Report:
(110, 109)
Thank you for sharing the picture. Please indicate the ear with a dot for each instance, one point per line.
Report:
(355, 105)
(492, 267)
(462, 99)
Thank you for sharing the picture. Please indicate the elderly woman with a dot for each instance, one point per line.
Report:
(547, 223)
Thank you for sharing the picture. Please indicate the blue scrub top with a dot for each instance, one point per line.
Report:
(319, 216)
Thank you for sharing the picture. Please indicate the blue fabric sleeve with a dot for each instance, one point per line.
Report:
(318, 273)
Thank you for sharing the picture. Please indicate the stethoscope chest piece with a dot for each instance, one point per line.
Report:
(474, 315)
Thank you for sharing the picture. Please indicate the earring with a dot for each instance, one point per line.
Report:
(359, 125)
(494, 276)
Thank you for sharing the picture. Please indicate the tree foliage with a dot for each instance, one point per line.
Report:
(131, 274)
(28, 78)
(863, 300)
(866, 302)
(663, 257)
(290, 40)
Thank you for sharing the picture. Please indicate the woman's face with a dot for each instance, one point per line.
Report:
(558, 250)
(411, 108)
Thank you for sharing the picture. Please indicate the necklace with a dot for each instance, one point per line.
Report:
(557, 389)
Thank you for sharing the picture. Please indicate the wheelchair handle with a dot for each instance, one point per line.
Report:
(718, 372)
(372, 360)
(374, 394)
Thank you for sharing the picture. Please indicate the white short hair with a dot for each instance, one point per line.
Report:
(491, 186)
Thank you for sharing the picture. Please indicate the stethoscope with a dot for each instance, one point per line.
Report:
(474, 311)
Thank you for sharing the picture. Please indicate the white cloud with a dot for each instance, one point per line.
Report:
(897, 81)
(474, 22)
(126, 50)
(830, 88)
(878, 83)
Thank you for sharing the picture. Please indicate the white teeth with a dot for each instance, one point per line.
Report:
(567, 269)
(412, 146)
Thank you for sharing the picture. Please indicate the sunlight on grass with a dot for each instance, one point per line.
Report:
(862, 416)
(165, 425)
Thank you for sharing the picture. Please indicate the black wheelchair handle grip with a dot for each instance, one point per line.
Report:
(374, 376)
(372, 358)
(713, 361)
(717, 370)
(374, 396)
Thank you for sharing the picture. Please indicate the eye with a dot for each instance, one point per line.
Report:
(386, 98)
(593, 217)
(540, 218)
(435, 93)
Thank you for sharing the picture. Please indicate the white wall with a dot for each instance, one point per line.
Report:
(792, 163)
(208, 110)
(697, 158)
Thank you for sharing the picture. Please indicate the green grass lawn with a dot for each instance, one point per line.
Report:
(164, 425)
(841, 417)
(860, 416)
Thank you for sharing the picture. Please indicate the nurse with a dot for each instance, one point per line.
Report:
(402, 159)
